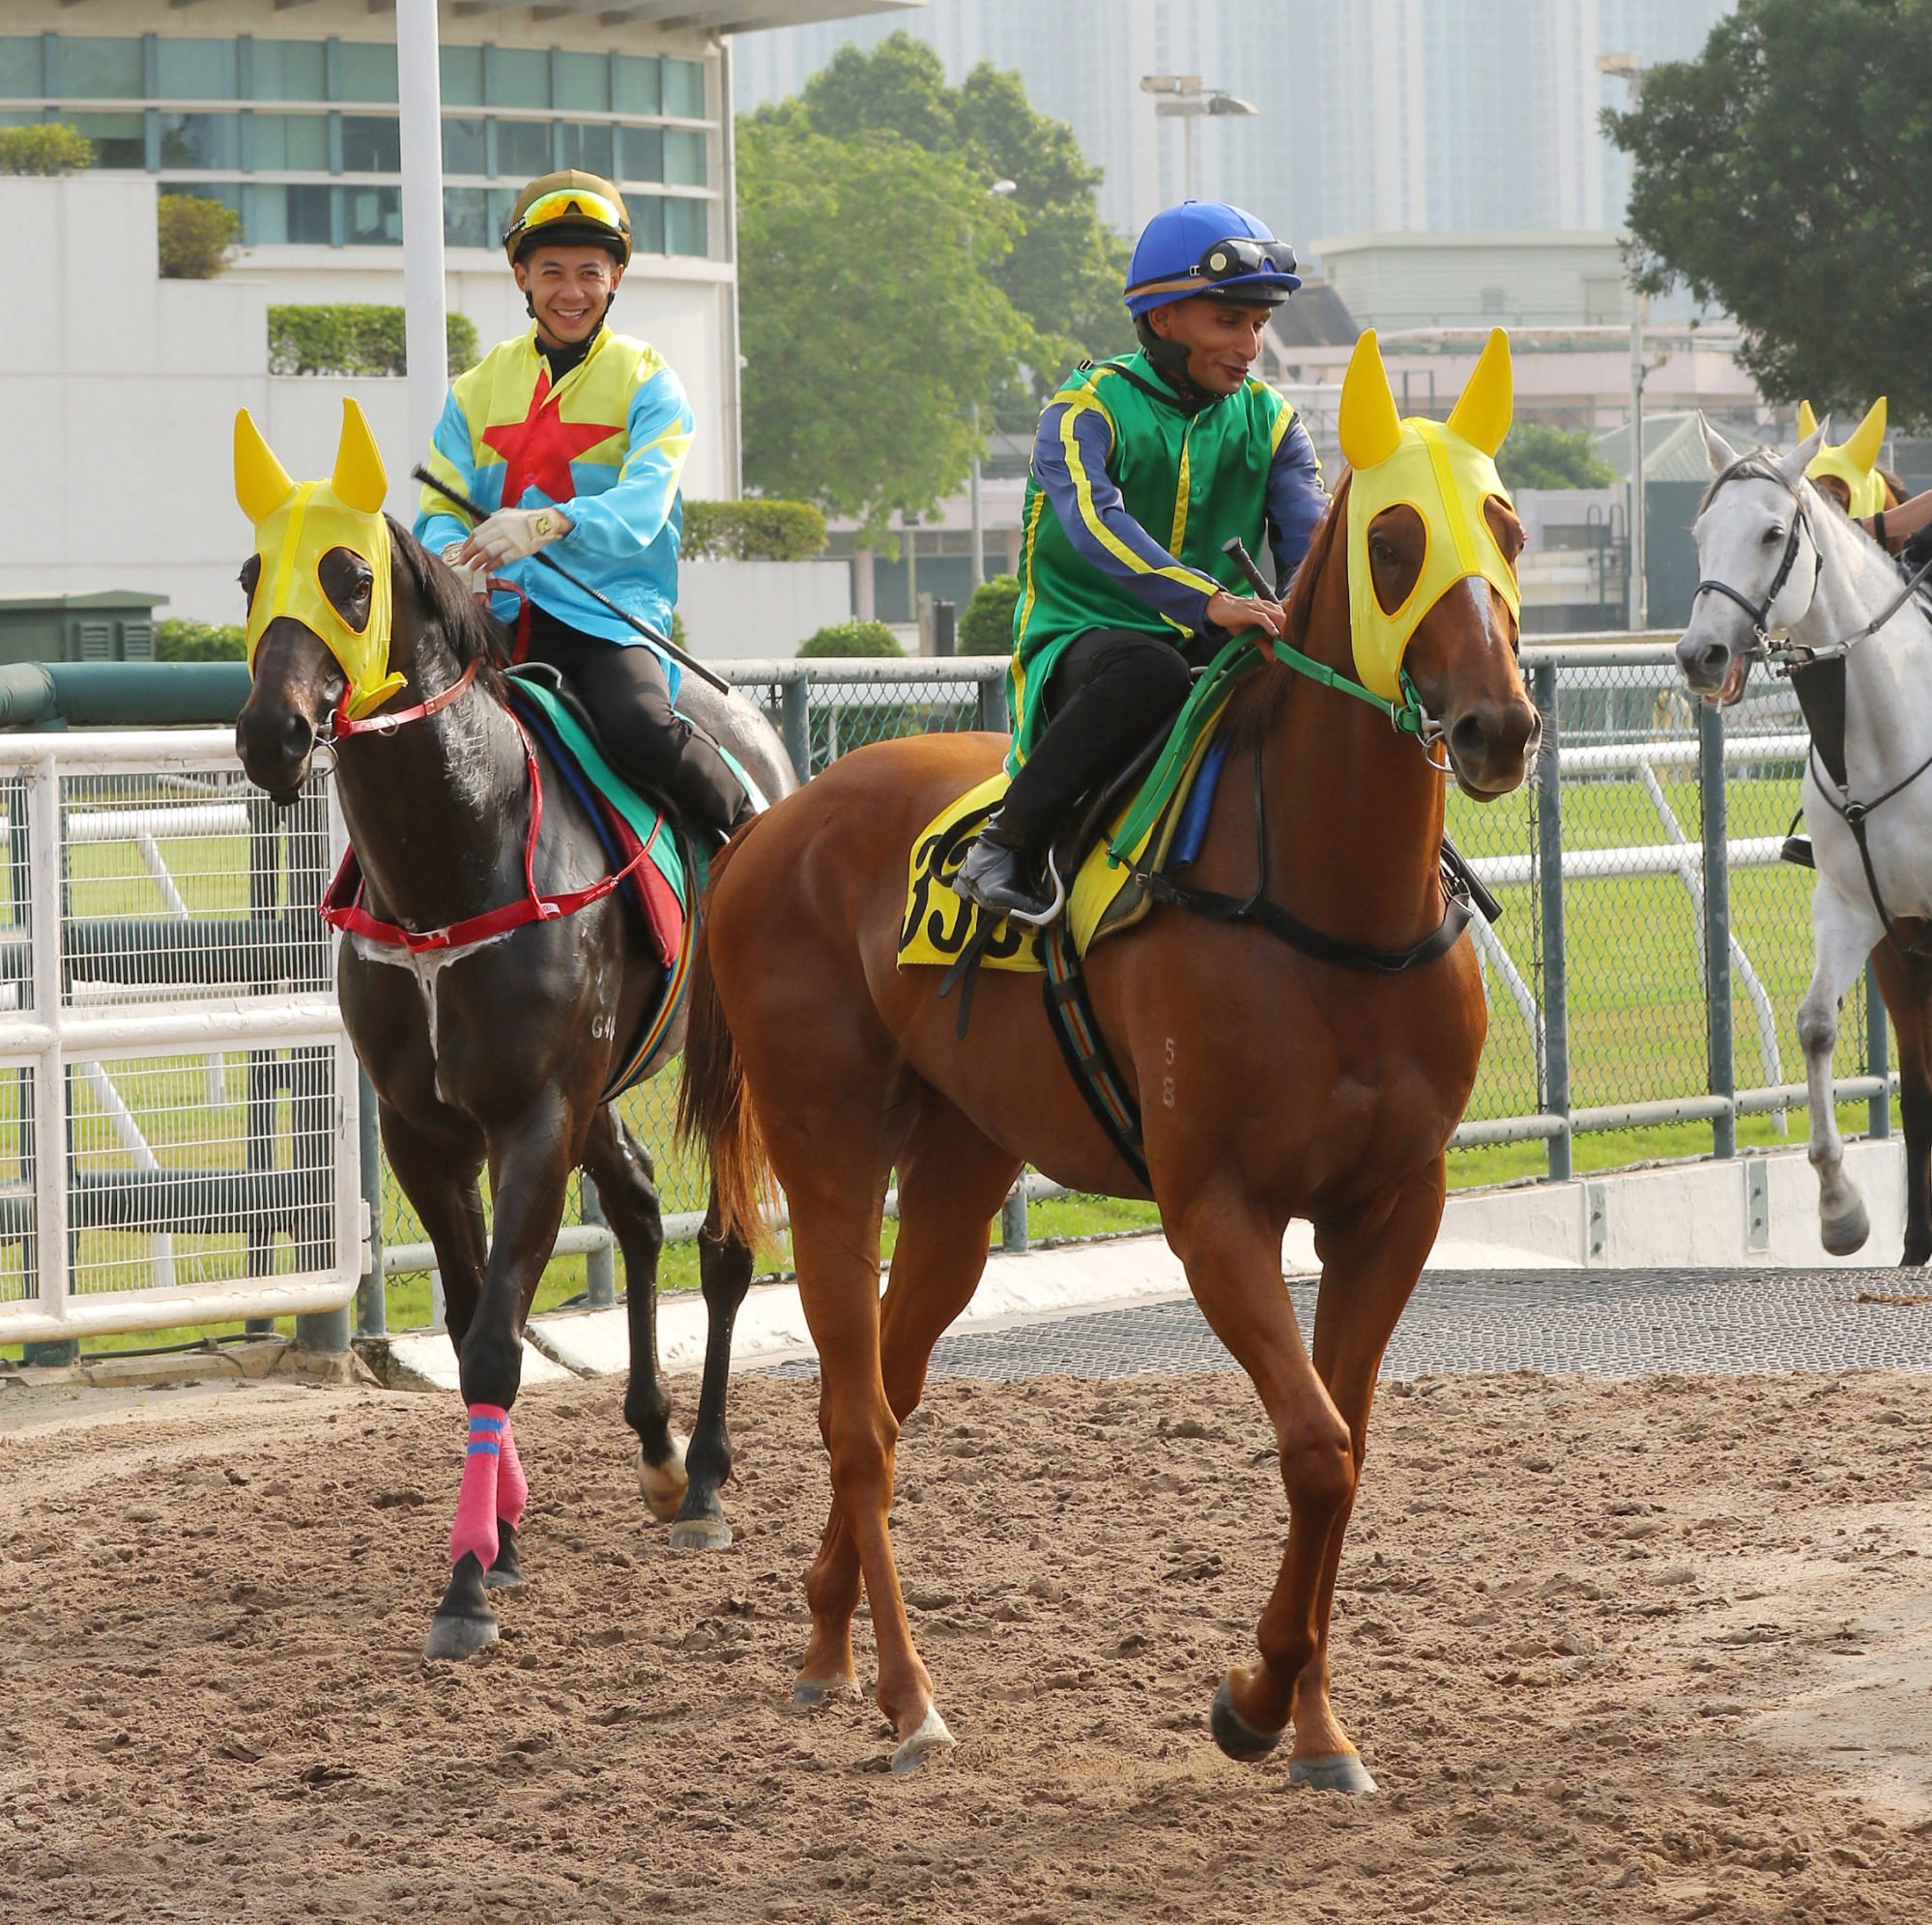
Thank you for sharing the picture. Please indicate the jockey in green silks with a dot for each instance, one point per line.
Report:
(1143, 469)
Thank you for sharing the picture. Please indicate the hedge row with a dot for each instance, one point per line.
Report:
(51, 149)
(177, 640)
(752, 531)
(354, 337)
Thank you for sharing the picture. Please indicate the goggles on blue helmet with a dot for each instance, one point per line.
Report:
(1238, 258)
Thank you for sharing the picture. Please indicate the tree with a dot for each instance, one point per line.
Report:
(1064, 267)
(1537, 456)
(1782, 175)
(986, 629)
(51, 149)
(865, 348)
(843, 639)
(197, 237)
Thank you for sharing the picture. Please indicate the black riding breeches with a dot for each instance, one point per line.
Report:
(1111, 689)
(628, 693)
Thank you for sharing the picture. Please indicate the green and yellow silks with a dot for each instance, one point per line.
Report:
(1855, 461)
(297, 524)
(1445, 472)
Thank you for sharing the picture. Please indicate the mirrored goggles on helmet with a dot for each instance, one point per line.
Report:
(1237, 257)
(568, 204)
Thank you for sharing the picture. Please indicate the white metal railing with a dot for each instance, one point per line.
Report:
(149, 954)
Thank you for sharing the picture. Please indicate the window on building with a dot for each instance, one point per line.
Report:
(502, 200)
(21, 67)
(371, 145)
(364, 71)
(462, 76)
(687, 227)
(371, 216)
(684, 88)
(638, 84)
(201, 140)
(290, 143)
(120, 140)
(466, 147)
(683, 158)
(589, 147)
(1493, 300)
(519, 79)
(195, 70)
(285, 216)
(523, 148)
(583, 83)
(466, 217)
(288, 71)
(100, 70)
(647, 224)
(641, 150)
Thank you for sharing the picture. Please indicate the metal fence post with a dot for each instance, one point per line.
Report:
(1717, 923)
(1878, 1058)
(1012, 1231)
(1549, 891)
(372, 1304)
(994, 716)
(795, 724)
(600, 1266)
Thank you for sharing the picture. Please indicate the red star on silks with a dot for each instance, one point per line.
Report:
(538, 449)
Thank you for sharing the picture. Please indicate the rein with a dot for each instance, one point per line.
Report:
(387, 721)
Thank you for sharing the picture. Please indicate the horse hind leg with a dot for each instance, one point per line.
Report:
(1907, 986)
(951, 1183)
(1842, 937)
(724, 1265)
(626, 1181)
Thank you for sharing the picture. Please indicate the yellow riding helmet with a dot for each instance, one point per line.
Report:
(570, 209)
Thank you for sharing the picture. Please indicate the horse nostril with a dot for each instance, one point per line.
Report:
(1468, 741)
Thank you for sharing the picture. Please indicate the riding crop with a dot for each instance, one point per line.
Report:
(644, 628)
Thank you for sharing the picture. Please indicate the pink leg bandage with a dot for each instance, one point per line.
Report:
(512, 1486)
(475, 1525)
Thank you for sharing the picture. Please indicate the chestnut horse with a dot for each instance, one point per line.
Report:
(1271, 1085)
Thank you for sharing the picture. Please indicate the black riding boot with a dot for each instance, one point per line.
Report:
(1002, 876)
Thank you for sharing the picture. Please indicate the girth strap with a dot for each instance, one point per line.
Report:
(1076, 1028)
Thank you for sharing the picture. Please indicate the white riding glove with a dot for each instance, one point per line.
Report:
(514, 535)
(474, 575)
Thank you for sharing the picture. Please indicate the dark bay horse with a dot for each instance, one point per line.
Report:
(495, 1051)
(1272, 1086)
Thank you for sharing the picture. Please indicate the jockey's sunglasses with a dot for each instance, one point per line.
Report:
(568, 204)
(1241, 254)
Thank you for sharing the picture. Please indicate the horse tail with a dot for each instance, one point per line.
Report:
(714, 1107)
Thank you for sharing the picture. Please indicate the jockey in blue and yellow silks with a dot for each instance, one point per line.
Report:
(576, 436)
(1143, 469)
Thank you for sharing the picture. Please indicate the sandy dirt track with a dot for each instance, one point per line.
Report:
(1625, 1649)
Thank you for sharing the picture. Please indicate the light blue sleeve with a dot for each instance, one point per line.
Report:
(630, 514)
(451, 459)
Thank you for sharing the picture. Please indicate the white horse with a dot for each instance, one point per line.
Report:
(1777, 558)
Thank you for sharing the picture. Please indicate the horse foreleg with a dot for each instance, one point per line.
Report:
(951, 1183)
(528, 1175)
(627, 1192)
(1907, 986)
(1233, 1258)
(1842, 936)
(724, 1266)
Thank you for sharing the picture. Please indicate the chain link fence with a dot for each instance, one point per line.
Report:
(1634, 1013)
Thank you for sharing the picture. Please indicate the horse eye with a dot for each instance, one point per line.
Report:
(251, 576)
(1772, 536)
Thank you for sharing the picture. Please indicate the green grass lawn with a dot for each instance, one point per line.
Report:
(1637, 1033)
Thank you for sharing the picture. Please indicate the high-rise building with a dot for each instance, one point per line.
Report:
(1378, 115)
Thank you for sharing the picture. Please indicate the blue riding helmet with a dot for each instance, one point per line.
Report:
(1207, 246)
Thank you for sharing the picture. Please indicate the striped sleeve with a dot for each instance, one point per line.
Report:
(1070, 454)
(452, 461)
(629, 515)
(1296, 496)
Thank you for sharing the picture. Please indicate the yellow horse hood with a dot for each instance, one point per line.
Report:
(1445, 472)
(297, 524)
(1854, 462)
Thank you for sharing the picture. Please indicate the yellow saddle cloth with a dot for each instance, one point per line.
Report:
(1105, 897)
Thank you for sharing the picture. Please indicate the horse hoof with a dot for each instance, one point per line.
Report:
(701, 1534)
(811, 1692)
(1338, 1771)
(506, 1573)
(663, 1484)
(458, 1638)
(1234, 1733)
(1842, 1235)
(931, 1738)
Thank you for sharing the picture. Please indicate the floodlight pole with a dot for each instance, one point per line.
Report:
(1629, 69)
(425, 337)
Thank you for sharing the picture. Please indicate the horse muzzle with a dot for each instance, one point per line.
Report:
(1489, 745)
(275, 746)
(1713, 667)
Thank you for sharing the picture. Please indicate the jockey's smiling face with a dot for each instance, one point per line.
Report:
(1223, 338)
(568, 288)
